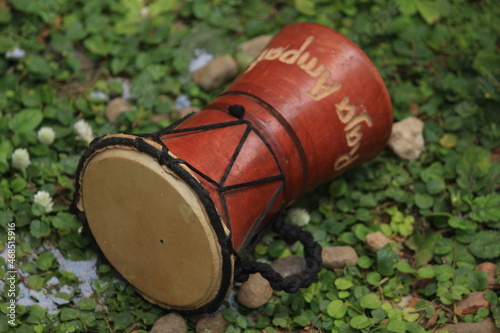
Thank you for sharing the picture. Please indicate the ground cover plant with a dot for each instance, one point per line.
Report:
(61, 61)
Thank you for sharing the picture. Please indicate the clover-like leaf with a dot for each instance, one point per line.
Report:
(486, 208)
(486, 244)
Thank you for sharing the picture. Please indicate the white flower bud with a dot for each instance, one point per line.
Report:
(298, 216)
(43, 198)
(20, 158)
(46, 135)
(84, 131)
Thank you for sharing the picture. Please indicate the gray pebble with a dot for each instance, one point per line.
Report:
(338, 257)
(170, 323)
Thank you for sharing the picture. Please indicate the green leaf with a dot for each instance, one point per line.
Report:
(460, 223)
(40, 228)
(27, 266)
(486, 208)
(142, 60)
(123, 320)
(397, 326)
(162, 6)
(45, 261)
(60, 43)
(475, 161)
(69, 314)
(306, 7)
(18, 184)
(26, 6)
(443, 272)
(97, 45)
(39, 66)
(410, 315)
(443, 246)
(65, 221)
(6, 217)
(386, 260)
(423, 200)
(118, 65)
(343, 284)
(360, 322)
(407, 7)
(428, 10)
(486, 244)
(373, 278)
(26, 120)
(426, 272)
(448, 140)
(404, 267)
(486, 61)
(337, 309)
(435, 186)
(365, 262)
(478, 280)
(370, 301)
(35, 282)
(36, 314)
(338, 188)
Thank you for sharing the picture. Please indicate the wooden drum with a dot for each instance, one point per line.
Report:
(172, 210)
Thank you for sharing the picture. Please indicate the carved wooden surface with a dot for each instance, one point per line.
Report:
(320, 107)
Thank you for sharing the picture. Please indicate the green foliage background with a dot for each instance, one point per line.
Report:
(440, 61)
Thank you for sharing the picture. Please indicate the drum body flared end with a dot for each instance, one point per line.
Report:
(152, 226)
(309, 107)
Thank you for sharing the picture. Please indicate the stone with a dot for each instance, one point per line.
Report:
(289, 266)
(170, 323)
(215, 323)
(491, 270)
(485, 326)
(407, 140)
(377, 240)
(255, 292)
(216, 73)
(116, 107)
(471, 302)
(338, 256)
(254, 46)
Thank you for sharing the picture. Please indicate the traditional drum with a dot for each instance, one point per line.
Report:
(173, 210)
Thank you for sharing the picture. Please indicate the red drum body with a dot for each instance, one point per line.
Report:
(171, 210)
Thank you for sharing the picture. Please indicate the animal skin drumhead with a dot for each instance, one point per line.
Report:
(152, 227)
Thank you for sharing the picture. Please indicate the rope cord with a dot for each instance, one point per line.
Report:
(312, 255)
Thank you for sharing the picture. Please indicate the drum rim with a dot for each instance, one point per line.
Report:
(159, 152)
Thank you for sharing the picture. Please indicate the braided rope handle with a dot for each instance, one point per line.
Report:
(312, 256)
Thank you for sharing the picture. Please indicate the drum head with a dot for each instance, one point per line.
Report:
(152, 227)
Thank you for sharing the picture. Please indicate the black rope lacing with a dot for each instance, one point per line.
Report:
(312, 255)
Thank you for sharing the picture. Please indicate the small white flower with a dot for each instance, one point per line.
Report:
(181, 102)
(202, 58)
(20, 158)
(16, 53)
(144, 12)
(99, 95)
(298, 216)
(43, 198)
(84, 131)
(46, 135)
(126, 88)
